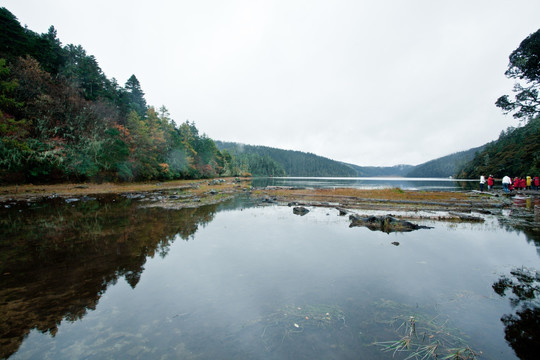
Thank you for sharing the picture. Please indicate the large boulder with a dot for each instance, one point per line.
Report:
(386, 223)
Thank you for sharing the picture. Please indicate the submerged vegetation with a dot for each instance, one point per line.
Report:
(422, 337)
(290, 322)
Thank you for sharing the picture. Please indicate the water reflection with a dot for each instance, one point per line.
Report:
(58, 260)
(522, 329)
(258, 282)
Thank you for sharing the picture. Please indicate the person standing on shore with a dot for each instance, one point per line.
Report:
(482, 182)
(536, 182)
(529, 183)
(506, 181)
(523, 183)
(490, 182)
(516, 183)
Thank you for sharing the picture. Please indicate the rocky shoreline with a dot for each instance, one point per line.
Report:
(519, 210)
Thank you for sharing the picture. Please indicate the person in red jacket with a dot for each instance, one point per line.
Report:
(490, 182)
(536, 182)
(523, 183)
(516, 183)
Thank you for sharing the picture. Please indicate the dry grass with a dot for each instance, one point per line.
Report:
(379, 194)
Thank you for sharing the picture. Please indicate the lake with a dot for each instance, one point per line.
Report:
(109, 278)
(425, 184)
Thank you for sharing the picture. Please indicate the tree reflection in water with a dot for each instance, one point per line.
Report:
(57, 259)
(522, 329)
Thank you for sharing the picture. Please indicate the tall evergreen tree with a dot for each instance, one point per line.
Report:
(13, 38)
(135, 96)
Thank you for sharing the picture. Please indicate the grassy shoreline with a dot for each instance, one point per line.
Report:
(231, 185)
(24, 192)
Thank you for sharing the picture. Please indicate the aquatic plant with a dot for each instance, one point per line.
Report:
(422, 337)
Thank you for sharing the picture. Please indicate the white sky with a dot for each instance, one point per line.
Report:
(373, 83)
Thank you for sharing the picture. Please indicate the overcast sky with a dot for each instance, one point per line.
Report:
(366, 82)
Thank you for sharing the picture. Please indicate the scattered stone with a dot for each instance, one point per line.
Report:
(483, 211)
(134, 196)
(396, 243)
(342, 211)
(269, 200)
(292, 203)
(465, 217)
(300, 210)
(70, 200)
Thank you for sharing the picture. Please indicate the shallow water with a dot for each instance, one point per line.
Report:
(110, 279)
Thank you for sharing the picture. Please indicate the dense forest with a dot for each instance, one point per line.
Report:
(268, 161)
(515, 153)
(62, 119)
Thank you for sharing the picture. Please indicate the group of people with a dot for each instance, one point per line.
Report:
(519, 183)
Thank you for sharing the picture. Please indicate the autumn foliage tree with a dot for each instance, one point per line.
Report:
(62, 119)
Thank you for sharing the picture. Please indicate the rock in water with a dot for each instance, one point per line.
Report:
(300, 210)
(384, 223)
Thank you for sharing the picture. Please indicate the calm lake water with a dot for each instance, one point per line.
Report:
(110, 279)
(426, 184)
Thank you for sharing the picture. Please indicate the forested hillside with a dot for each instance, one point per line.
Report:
(62, 119)
(267, 161)
(515, 153)
(390, 171)
(445, 166)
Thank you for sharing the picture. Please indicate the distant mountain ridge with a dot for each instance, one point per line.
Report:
(390, 171)
(292, 162)
(445, 166)
(297, 163)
